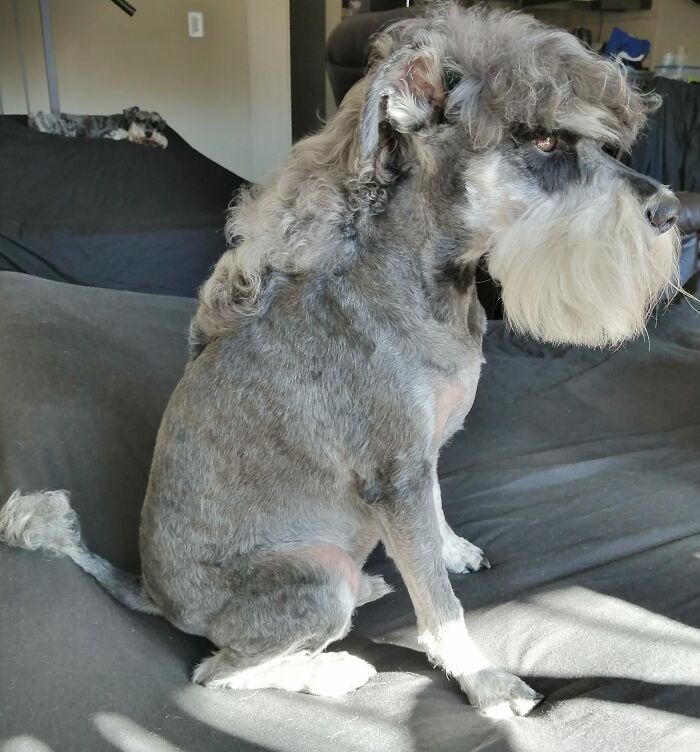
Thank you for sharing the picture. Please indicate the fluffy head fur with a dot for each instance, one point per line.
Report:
(445, 125)
(499, 71)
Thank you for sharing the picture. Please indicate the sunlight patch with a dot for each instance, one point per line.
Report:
(24, 743)
(293, 722)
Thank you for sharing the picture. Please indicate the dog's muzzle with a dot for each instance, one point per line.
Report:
(589, 268)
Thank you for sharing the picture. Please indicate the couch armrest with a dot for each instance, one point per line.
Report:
(689, 217)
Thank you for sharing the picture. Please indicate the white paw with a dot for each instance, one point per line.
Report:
(460, 555)
(334, 674)
(499, 694)
(326, 674)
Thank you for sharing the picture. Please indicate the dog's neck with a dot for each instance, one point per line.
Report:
(408, 270)
(421, 230)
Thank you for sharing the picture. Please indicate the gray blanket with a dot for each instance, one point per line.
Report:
(578, 472)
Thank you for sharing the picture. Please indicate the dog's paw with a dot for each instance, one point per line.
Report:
(335, 674)
(460, 555)
(498, 694)
(325, 674)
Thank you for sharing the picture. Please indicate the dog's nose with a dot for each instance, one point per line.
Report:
(663, 213)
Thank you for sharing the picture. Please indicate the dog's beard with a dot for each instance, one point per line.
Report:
(588, 274)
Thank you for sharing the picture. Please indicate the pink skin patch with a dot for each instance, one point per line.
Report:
(450, 401)
(329, 557)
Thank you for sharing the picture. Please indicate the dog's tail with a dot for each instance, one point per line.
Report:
(45, 520)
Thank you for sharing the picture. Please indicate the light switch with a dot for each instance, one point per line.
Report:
(195, 24)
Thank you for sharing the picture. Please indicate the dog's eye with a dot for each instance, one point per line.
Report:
(546, 143)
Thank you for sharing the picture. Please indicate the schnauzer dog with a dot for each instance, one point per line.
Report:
(338, 347)
(133, 124)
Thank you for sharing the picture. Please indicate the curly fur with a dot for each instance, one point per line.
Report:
(511, 70)
(506, 71)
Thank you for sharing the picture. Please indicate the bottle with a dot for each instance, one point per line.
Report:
(666, 67)
(681, 60)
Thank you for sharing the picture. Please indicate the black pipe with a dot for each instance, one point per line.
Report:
(127, 7)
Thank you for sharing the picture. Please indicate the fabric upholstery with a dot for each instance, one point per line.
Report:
(110, 213)
(578, 473)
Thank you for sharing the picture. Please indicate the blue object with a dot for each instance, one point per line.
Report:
(627, 47)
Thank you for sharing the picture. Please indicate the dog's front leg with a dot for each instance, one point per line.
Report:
(411, 535)
(458, 553)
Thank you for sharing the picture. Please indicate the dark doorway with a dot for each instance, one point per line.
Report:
(307, 44)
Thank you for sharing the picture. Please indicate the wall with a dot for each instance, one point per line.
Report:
(668, 24)
(270, 84)
(640, 24)
(227, 94)
(678, 24)
(10, 79)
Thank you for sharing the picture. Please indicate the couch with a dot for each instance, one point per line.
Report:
(578, 472)
(110, 213)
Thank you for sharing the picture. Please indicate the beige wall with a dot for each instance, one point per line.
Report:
(667, 25)
(10, 78)
(640, 24)
(270, 84)
(227, 94)
(678, 24)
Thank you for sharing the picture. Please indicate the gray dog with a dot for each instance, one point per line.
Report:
(339, 346)
(134, 124)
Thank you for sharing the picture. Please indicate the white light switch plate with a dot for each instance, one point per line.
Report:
(195, 24)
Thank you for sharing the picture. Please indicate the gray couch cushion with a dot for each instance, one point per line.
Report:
(578, 472)
(109, 213)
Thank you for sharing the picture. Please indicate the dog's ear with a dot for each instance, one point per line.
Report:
(406, 91)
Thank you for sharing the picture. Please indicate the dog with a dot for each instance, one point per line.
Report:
(338, 347)
(133, 124)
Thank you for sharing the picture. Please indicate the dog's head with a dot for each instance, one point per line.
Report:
(148, 122)
(511, 124)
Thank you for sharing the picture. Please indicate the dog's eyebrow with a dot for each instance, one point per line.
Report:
(521, 132)
(524, 133)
